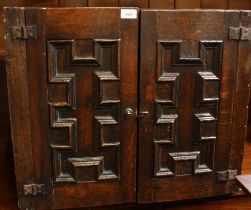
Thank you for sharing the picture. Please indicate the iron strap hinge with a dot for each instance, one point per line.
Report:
(24, 32)
(239, 33)
(226, 176)
(34, 189)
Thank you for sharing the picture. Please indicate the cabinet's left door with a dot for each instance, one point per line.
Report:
(72, 77)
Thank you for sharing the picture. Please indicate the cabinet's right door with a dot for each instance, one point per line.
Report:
(188, 78)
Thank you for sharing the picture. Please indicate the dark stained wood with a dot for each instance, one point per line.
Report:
(41, 3)
(72, 3)
(246, 163)
(161, 4)
(184, 140)
(240, 105)
(239, 4)
(8, 200)
(86, 81)
(106, 3)
(245, 182)
(17, 80)
(214, 4)
(134, 3)
(185, 4)
(3, 3)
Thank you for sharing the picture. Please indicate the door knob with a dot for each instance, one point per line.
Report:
(128, 113)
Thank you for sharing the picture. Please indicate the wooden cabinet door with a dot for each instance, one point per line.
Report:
(72, 75)
(189, 76)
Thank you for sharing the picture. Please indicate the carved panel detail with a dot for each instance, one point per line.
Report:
(103, 57)
(176, 105)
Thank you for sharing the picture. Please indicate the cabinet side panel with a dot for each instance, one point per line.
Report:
(19, 105)
(242, 93)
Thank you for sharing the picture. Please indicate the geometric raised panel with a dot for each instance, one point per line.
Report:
(164, 136)
(208, 85)
(108, 88)
(199, 100)
(165, 129)
(187, 163)
(65, 60)
(206, 127)
(108, 131)
(166, 89)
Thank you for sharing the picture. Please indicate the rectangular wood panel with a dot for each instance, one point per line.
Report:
(23, 148)
(161, 4)
(242, 89)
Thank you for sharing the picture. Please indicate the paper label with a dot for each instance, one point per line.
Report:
(128, 14)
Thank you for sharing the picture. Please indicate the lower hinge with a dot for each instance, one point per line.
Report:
(34, 189)
(24, 32)
(226, 176)
(239, 33)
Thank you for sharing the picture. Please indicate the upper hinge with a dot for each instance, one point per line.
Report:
(24, 32)
(239, 33)
(34, 189)
(226, 176)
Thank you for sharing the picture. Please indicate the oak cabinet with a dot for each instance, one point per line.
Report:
(90, 115)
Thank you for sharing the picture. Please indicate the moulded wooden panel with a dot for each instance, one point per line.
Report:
(134, 3)
(187, 4)
(103, 3)
(42, 3)
(184, 138)
(72, 3)
(161, 4)
(86, 80)
(239, 4)
(214, 4)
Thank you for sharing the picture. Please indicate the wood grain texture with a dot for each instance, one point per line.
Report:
(17, 78)
(239, 4)
(42, 3)
(84, 92)
(185, 4)
(8, 200)
(72, 3)
(214, 4)
(134, 3)
(106, 3)
(161, 4)
(167, 135)
(11, 3)
(246, 163)
(241, 99)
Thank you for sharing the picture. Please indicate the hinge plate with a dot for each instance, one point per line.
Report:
(34, 189)
(245, 33)
(226, 176)
(24, 32)
(239, 33)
